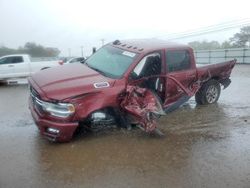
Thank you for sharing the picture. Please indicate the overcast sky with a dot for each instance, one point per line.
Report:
(73, 23)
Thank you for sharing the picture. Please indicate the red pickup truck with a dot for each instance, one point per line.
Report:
(123, 83)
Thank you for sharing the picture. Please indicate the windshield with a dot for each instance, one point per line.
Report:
(110, 61)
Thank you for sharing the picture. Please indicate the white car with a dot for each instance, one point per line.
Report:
(21, 66)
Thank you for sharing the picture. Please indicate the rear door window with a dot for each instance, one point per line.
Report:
(178, 60)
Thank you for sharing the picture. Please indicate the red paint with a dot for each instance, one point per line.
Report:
(74, 83)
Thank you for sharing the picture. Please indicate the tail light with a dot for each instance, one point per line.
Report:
(60, 62)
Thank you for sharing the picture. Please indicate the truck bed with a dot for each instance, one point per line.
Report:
(219, 71)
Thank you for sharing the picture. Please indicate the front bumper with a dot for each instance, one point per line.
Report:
(66, 129)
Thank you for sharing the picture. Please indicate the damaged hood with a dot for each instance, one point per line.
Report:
(70, 80)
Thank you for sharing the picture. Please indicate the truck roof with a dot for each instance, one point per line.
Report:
(145, 45)
(15, 55)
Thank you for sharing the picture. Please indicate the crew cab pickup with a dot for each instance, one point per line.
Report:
(123, 83)
(20, 66)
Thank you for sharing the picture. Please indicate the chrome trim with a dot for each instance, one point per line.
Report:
(101, 84)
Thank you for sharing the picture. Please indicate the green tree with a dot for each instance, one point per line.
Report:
(204, 45)
(31, 48)
(7, 51)
(241, 39)
(36, 50)
(226, 44)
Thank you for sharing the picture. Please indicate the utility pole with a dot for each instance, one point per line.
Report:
(82, 50)
(102, 40)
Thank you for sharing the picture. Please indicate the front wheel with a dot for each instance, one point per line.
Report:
(209, 92)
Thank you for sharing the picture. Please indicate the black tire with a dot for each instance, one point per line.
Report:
(209, 92)
(198, 97)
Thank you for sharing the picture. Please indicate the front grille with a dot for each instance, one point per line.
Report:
(34, 93)
(34, 97)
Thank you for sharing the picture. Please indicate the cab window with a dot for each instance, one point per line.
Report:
(178, 60)
(3, 61)
(11, 60)
(17, 59)
(150, 65)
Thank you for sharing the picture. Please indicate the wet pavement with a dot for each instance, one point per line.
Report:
(203, 146)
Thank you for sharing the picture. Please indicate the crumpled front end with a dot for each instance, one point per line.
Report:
(144, 106)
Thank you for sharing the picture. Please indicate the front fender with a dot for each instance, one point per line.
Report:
(91, 102)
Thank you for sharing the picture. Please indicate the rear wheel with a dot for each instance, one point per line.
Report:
(209, 93)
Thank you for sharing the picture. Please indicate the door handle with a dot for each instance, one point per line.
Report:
(10, 65)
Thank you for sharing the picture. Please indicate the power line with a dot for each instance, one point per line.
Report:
(214, 27)
(220, 25)
(209, 29)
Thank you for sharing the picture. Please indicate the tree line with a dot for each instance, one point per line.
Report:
(31, 48)
(239, 40)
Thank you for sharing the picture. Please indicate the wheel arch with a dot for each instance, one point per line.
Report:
(45, 68)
